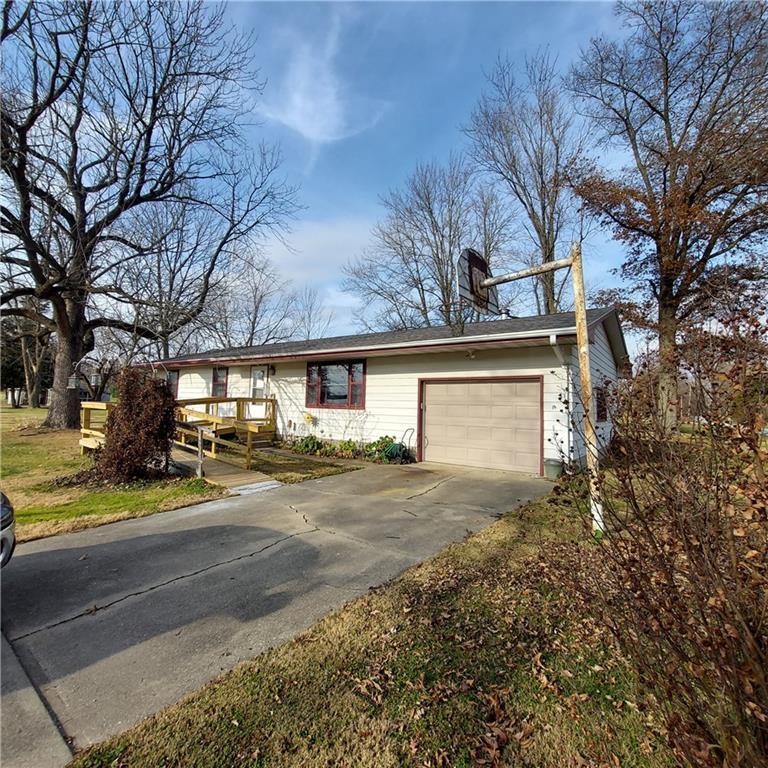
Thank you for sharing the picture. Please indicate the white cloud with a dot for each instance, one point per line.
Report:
(310, 97)
(314, 255)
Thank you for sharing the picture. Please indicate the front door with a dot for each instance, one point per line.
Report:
(259, 379)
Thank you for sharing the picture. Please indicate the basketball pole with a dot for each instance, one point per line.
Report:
(585, 372)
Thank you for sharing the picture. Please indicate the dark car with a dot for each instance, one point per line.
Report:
(7, 529)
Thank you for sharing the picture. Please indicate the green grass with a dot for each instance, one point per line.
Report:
(135, 499)
(476, 657)
(31, 458)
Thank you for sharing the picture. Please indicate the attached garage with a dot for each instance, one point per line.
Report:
(503, 395)
(494, 423)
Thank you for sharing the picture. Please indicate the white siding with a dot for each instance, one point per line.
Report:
(604, 371)
(195, 382)
(239, 381)
(392, 392)
(391, 397)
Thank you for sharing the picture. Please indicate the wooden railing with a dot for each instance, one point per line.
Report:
(205, 428)
(93, 421)
(202, 429)
(212, 411)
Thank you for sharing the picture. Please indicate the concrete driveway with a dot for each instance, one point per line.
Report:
(115, 623)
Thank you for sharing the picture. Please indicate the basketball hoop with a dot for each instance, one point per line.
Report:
(471, 272)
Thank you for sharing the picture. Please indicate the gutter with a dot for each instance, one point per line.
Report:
(449, 343)
(557, 349)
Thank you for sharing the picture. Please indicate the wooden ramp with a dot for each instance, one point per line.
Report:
(219, 472)
(220, 426)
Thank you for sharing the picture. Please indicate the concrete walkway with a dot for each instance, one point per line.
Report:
(114, 623)
(28, 735)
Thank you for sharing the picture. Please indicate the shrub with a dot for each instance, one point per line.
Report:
(309, 444)
(681, 577)
(375, 451)
(139, 430)
(346, 449)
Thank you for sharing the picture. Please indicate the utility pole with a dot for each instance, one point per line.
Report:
(480, 288)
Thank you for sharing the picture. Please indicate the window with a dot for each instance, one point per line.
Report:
(173, 383)
(336, 385)
(258, 381)
(219, 386)
(601, 404)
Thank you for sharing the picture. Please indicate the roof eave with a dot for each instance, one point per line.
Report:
(564, 336)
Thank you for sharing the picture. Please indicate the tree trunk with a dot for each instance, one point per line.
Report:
(550, 298)
(668, 366)
(34, 393)
(64, 408)
(31, 361)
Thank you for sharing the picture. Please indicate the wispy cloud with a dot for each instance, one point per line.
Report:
(311, 98)
(314, 255)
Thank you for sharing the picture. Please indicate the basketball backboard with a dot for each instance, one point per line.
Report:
(471, 270)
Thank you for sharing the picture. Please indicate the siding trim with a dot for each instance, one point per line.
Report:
(471, 379)
(450, 345)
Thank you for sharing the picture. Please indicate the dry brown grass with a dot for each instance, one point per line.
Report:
(291, 468)
(475, 657)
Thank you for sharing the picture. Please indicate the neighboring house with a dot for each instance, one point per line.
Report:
(501, 396)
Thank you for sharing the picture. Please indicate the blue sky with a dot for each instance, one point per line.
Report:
(356, 94)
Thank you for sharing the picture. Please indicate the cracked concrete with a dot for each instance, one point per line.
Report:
(114, 623)
(431, 488)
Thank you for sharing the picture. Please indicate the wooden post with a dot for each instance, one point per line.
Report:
(585, 381)
(248, 449)
(199, 451)
(585, 373)
(85, 423)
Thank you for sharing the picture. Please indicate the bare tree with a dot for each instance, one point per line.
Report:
(35, 353)
(311, 318)
(249, 308)
(683, 97)
(32, 339)
(108, 109)
(525, 137)
(408, 278)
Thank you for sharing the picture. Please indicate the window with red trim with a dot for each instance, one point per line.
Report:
(336, 385)
(219, 385)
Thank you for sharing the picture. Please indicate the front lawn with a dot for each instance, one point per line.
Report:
(31, 458)
(476, 657)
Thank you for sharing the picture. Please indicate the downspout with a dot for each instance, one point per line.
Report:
(564, 362)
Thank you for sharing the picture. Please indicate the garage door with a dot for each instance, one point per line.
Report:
(494, 424)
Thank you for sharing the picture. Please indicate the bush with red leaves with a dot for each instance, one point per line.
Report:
(681, 576)
(140, 430)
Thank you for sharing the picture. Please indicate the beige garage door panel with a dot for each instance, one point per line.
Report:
(494, 424)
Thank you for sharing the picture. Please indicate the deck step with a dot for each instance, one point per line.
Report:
(91, 443)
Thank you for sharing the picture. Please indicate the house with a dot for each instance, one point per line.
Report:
(502, 395)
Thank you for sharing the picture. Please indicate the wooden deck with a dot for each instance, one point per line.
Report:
(221, 428)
